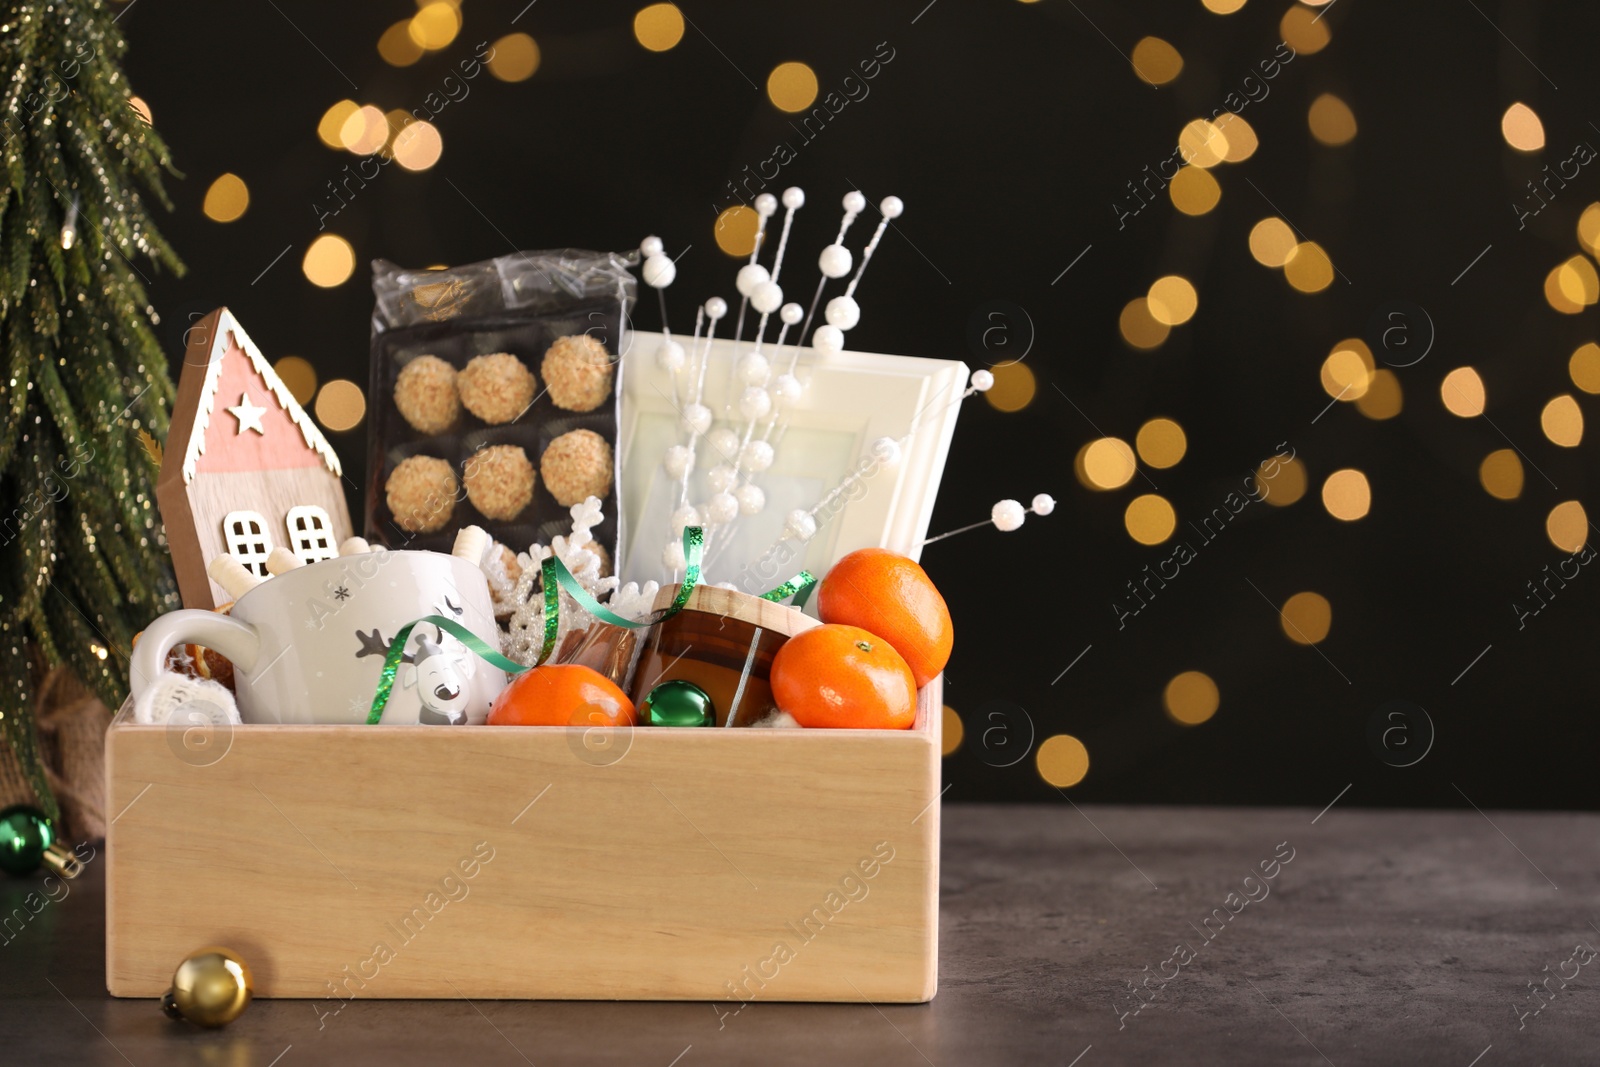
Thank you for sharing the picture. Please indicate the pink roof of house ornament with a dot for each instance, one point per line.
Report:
(244, 469)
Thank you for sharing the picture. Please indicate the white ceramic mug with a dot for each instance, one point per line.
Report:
(308, 645)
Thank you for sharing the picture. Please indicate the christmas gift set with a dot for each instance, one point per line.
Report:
(665, 584)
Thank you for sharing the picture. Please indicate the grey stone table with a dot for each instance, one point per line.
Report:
(1380, 938)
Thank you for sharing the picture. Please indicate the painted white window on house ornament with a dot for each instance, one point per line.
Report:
(245, 533)
(311, 533)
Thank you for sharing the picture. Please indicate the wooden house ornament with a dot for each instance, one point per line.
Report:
(244, 469)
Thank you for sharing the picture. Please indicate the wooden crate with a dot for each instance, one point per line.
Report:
(520, 862)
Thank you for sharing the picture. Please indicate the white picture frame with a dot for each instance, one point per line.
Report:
(851, 400)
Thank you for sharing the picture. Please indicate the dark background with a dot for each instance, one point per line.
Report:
(1010, 130)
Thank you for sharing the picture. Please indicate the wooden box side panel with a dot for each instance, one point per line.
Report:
(519, 863)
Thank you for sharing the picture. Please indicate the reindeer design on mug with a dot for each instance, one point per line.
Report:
(441, 672)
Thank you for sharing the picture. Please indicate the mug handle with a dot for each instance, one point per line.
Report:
(238, 641)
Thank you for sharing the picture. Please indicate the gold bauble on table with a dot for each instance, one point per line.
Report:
(211, 987)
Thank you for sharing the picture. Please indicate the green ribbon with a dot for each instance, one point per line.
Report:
(556, 578)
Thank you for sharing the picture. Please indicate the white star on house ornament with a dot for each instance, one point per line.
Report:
(248, 414)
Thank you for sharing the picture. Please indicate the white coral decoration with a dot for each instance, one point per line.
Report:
(524, 638)
(633, 601)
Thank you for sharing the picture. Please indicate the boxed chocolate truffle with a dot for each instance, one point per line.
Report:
(494, 397)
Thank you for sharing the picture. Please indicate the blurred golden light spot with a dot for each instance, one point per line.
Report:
(792, 86)
(418, 146)
(1348, 371)
(1172, 300)
(1589, 229)
(1201, 144)
(1191, 698)
(1139, 327)
(1272, 242)
(1463, 393)
(397, 47)
(1062, 761)
(1501, 474)
(1193, 191)
(1578, 281)
(365, 131)
(1584, 366)
(1332, 122)
(1347, 495)
(331, 127)
(140, 108)
(658, 27)
(399, 120)
(951, 731)
(1161, 443)
(1283, 481)
(1302, 31)
(298, 376)
(1567, 526)
(1223, 7)
(341, 405)
(1150, 519)
(1107, 463)
(435, 25)
(1013, 389)
(1562, 421)
(329, 261)
(1521, 128)
(735, 230)
(1555, 291)
(1308, 268)
(1156, 61)
(1241, 138)
(1383, 398)
(1307, 617)
(227, 198)
(516, 57)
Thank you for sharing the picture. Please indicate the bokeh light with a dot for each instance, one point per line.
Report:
(1272, 242)
(1241, 137)
(1106, 463)
(1384, 398)
(418, 146)
(1201, 144)
(1063, 761)
(1149, 519)
(1584, 367)
(1191, 698)
(1562, 421)
(1463, 393)
(1139, 327)
(1304, 31)
(1014, 387)
(1589, 229)
(1194, 191)
(329, 261)
(365, 131)
(516, 57)
(141, 109)
(1308, 268)
(298, 376)
(341, 405)
(1347, 495)
(1223, 7)
(1156, 61)
(792, 86)
(1567, 526)
(735, 230)
(1556, 289)
(1348, 371)
(1283, 481)
(1578, 281)
(397, 47)
(951, 731)
(435, 25)
(1501, 474)
(1521, 128)
(1161, 443)
(226, 199)
(1331, 120)
(658, 27)
(331, 127)
(1307, 618)
(1172, 301)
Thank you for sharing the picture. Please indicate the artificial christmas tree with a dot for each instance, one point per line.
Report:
(84, 393)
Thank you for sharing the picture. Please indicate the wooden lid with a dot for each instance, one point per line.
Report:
(730, 603)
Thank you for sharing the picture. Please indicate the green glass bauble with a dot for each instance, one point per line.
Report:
(677, 703)
(25, 834)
